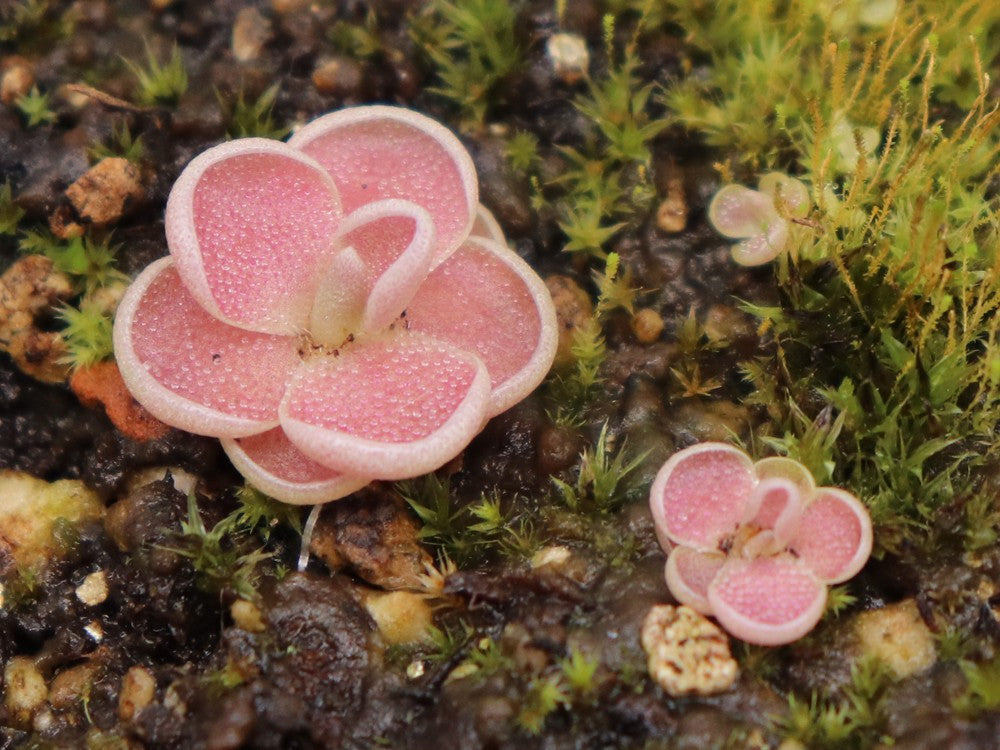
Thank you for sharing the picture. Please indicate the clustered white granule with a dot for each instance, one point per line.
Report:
(687, 654)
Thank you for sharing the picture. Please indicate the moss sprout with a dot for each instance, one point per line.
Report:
(122, 143)
(159, 84)
(473, 47)
(221, 558)
(10, 212)
(89, 261)
(252, 118)
(602, 483)
(36, 108)
(87, 331)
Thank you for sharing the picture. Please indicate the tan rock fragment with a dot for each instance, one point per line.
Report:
(29, 509)
(555, 555)
(94, 589)
(63, 223)
(897, 636)
(107, 191)
(403, 617)
(71, 684)
(569, 56)
(24, 689)
(29, 289)
(247, 616)
(138, 690)
(16, 78)
(251, 31)
(712, 420)
(376, 538)
(574, 311)
(672, 214)
(337, 76)
(647, 324)
(725, 324)
(687, 654)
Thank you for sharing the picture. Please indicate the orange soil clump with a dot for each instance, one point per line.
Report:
(102, 384)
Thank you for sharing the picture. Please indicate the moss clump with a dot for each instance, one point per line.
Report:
(881, 367)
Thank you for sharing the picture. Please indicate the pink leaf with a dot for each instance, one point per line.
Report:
(792, 193)
(249, 222)
(738, 212)
(339, 304)
(834, 537)
(389, 408)
(699, 495)
(394, 239)
(486, 300)
(768, 601)
(786, 468)
(378, 152)
(764, 247)
(775, 503)
(276, 467)
(487, 227)
(191, 370)
(689, 574)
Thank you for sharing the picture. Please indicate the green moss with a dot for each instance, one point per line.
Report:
(34, 24)
(221, 557)
(879, 365)
(247, 119)
(89, 261)
(473, 48)
(766, 64)
(545, 695)
(259, 514)
(854, 720)
(606, 184)
(447, 641)
(36, 108)
(159, 84)
(10, 212)
(87, 331)
(580, 672)
(472, 532)
(602, 482)
(121, 144)
(360, 41)
(982, 689)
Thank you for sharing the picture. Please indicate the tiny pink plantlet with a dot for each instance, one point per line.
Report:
(758, 217)
(755, 544)
(336, 309)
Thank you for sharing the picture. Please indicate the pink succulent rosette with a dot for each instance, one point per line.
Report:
(336, 309)
(755, 544)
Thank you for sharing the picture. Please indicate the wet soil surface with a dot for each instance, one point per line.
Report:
(310, 667)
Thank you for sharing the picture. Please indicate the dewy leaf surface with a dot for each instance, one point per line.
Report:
(699, 495)
(191, 370)
(767, 600)
(379, 152)
(486, 300)
(271, 463)
(389, 408)
(249, 223)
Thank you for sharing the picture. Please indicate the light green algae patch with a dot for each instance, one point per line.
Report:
(30, 510)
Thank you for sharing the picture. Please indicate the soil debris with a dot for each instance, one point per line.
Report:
(102, 384)
(107, 192)
(687, 653)
(373, 535)
(30, 290)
